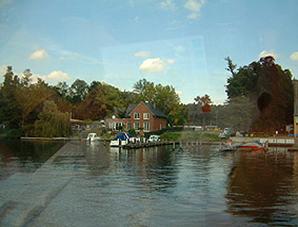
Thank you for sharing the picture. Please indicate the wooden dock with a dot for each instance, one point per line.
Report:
(174, 144)
(272, 141)
(147, 144)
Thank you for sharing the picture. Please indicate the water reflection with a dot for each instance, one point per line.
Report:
(23, 156)
(261, 187)
(154, 167)
(154, 186)
(98, 158)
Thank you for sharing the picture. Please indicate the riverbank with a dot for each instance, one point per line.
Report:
(49, 138)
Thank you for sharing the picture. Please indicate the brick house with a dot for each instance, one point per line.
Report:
(140, 116)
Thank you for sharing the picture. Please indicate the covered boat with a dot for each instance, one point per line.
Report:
(121, 139)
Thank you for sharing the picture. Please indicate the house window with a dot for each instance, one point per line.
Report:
(146, 116)
(136, 125)
(146, 125)
(119, 126)
(136, 115)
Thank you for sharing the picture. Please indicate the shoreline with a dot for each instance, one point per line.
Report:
(49, 138)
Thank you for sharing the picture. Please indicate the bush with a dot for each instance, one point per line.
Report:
(132, 133)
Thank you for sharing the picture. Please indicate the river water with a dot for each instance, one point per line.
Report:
(193, 186)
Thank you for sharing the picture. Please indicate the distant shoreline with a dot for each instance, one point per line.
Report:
(49, 138)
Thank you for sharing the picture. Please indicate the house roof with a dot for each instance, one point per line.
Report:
(155, 111)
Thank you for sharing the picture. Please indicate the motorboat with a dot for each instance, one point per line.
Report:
(253, 146)
(154, 138)
(134, 139)
(121, 139)
(92, 137)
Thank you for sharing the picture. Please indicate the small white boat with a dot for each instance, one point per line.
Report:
(154, 138)
(92, 137)
(121, 139)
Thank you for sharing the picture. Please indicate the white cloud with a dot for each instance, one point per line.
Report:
(155, 65)
(170, 61)
(39, 54)
(294, 56)
(3, 69)
(179, 92)
(194, 8)
(35, 77)
(265, 53)
(142, 54)
(168, 5)
(57, 75)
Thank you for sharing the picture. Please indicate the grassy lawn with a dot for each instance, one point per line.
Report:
(190, 135)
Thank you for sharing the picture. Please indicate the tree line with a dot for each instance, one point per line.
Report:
(40, 109)
(260, 98)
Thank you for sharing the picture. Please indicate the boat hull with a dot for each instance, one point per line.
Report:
(251, 148)
(118, 143)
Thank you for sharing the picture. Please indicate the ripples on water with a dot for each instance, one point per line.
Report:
(159, 186)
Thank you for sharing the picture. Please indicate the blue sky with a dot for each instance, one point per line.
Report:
(182, 43)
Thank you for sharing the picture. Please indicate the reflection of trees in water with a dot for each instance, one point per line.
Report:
(155, 167)
(16, 156)
(259, 186)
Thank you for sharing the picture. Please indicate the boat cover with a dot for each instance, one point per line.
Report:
(122, 136)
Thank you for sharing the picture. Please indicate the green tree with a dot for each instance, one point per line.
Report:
(30, 98)
(10, 111)
(62, 89)
(146, 90)
(164, 98)
(27, 78)
(269, 88)
(78, 91)
(51, 122)
(231, 66)
(102, 100)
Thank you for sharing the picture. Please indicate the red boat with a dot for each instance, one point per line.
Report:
(254, 146)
